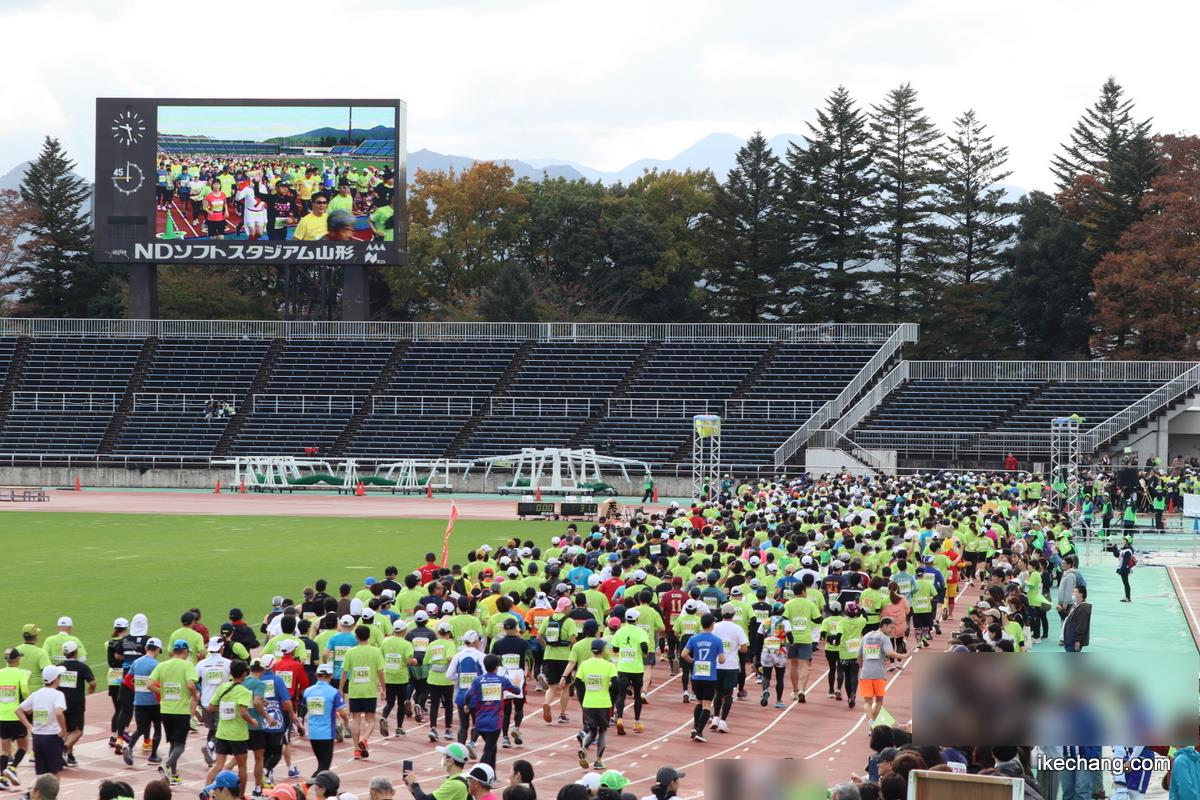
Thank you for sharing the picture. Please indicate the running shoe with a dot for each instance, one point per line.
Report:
(781, 705)
(258, 792)
(357, 754)
(686, 699)
(563, 719)
(268, 780)
(583, 759)
(448, 735)
(147, 744)
(293, 772)
(505, 742)
(127, 756)
(399, 733)
(383, 728)
(837, 695)
(620, 727)
(70, 761)
(638, 727)
(800, 697)
(698, 737)
(722, 726)
(175, 780)
(154, 758)
(518, 740)
(597, 765)
(4, 784)
(433, 735)
(207, 752)
(362, 747)
(162, 773)
(546, 714)
(472, 752)
(852, 702)
(766, 698)
(10, 772)
(742, 695)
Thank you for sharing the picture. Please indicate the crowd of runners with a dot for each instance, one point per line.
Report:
(739, 595)
(253, 198)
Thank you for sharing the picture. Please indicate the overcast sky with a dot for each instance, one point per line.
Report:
(602, 83)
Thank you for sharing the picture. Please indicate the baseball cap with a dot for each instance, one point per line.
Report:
(421, 616)
(510, 623)
(12, 654)
(399, 625)
(729, 608)
(471, 636)
(186, 618)
(287, 645)
(180, 644)
(368, 613)
(329, 781)
(444, 627)
(51, 673)
(598, 645)
(666, 775)
(448, 607)
(31, 629)
(614, 780)
(631, 615)
(324, 669)
(154, 642)
(120, 622)
(69, 647)
(216, 644)
(65, 622)
(455, 751)
(266, 660)
(482, 773)
(590, 781)
(284, 792)
(226, 779)
(736, 591)
(346, 621)
(614, 623)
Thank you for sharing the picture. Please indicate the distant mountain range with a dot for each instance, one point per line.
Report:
(317, 134)
(717, 152)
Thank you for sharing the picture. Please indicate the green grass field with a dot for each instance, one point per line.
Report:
(96, 567)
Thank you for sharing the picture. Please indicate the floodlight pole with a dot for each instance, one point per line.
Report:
(1064, 467)
(706, 454)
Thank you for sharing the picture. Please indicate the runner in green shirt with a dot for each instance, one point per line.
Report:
(596, 674)
(363, 666)
(631, 646)
(196, 643)
(33, 657)
(176, 683)
(556, 635)
(53, 644)
(441, 689)
(231, 703)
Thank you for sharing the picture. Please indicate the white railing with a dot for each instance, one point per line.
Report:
(832, 440)
(955, 442)
(1151, 404)
(305, 403)
(541, 406)
(425, 405)
(871, 400)
(686, 408)
(764, 408)
(164, 402)
(96, 402)
(904, 333)
(451, 331)
(1068, 371)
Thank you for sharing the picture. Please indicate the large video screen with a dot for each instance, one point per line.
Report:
(250, 181)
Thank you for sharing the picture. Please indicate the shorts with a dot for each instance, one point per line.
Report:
(215, 228)
(13, 729)
(727, 679)
(74, 717)
(799, 651)
(951, 590)
(553, 670)
(176, 727)
(363, 705)
(872, 687)
(775, 658)
(596, 719)
(974, 558)
(47, 753)
(257, 740)
(704, 690)
(650, 659)
(923, 619)
(255, 219)
(224, 747)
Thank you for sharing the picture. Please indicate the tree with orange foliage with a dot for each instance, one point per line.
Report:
(1147, 301)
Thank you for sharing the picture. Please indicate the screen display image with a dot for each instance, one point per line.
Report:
(250, 181)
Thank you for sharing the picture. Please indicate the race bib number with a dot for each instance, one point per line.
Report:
(8, 694)
(594, 683)
(140, 681)
(511, 660)
(762, 614)
(645, 628)
(339, 653)
(420, 644)
(228, 710)
(852, 644)
(316, 705)
(872, 650)
(465, 679)
(702, 669)
(360, 675)
(711, 602)
(393, 661)
(41, 716)
(492, 692)
(269, 690)
(437, 651)
(214, 677)
(172, 692)
(727, 646)
(69, 680)
(56, 660)
(552, 633)
(771, 643)
(286, 677)
(689, 627)
(628, 655)
(799, 624)
(114, 676)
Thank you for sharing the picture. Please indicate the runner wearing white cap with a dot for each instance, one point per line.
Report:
(398, 659)
(76, 683)
(44, 714)
(362, 675)
(147, 712)
(420, 635)
(54, 643)
(463, 669)
(175, 682)
(213, 671)
(114, 654)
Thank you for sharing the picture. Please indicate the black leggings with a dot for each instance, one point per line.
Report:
(834, 660)
(489, 747)
(420, 691)
(1039, 627)
(624, 681)
(124, 708)
(850, 670)
(273, 751)
(766, 673)
(514, 712)
(1125, 583)
(464, 724)
(147, 717)
(397, 695)
(323, 750)
(442, 696)
(114, 694)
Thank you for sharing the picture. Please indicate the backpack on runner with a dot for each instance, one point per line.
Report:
(553, 634)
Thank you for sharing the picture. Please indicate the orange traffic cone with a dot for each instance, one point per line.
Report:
(243, 489)
(1170, 505)
(537, 495)
(429, 490)
(217, 490)
(654, 496)
(78, 488)
(360, 490)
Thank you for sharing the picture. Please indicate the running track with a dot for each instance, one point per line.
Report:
(830, 738)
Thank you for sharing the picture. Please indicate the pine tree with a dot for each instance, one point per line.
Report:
(906, 146)
(831, 192)
(747, 273)
(1106, 167)
(976, 219)
(510, 297)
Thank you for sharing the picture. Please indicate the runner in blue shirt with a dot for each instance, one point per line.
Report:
(339, 643)
(701, 652)
(277, 711)
(486, 699)
(146, 710)
(324, 703)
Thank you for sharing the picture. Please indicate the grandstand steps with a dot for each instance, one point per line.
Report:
(20, 353)
(378, 387)
(136, 379)
(620, 391)
(506, 378)
(235, 425)
(756, 371)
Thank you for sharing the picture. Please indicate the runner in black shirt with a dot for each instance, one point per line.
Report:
(75, 684)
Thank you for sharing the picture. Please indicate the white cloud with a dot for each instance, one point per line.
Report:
(600, 83)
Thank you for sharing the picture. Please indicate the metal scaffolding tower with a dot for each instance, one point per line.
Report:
(1064, 467)
(706, 455)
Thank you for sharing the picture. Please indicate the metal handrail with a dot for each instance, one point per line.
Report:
(871, 400)
(540, 406)
(424, 405)
(1152, 403)
(832, 440)
(452, 331)
(904, 333)
(1066, 371)
(177, 401)
(65, 401)
(304, 403)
